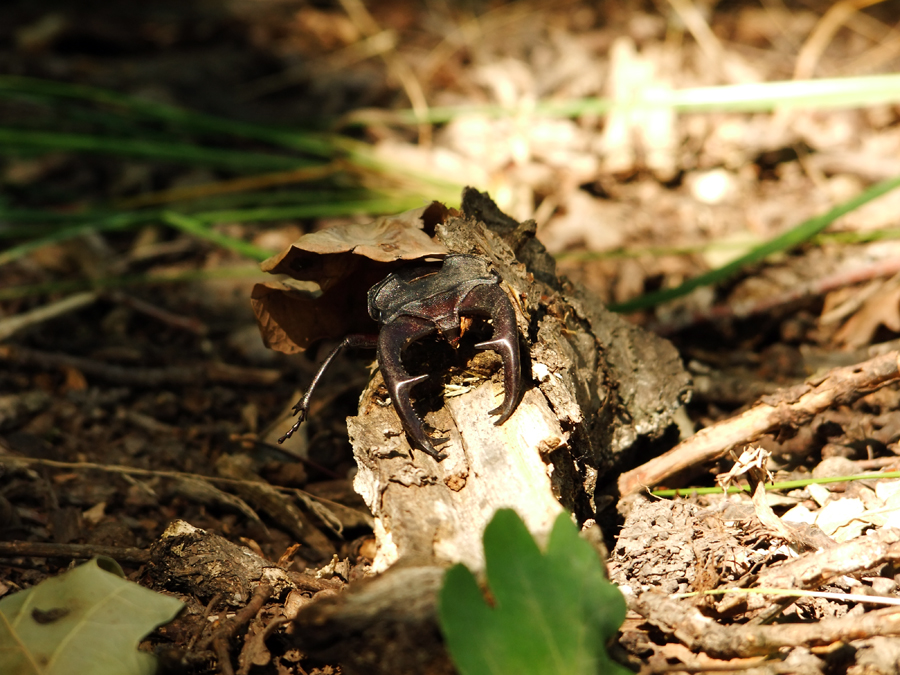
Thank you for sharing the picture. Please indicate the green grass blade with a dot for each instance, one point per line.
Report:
(69, 226)
(199, 229)
(315, 210)
(117, 222)
(240, 206)
(303, 206)
(844, 92)
(771, 487)
(822, 239)
(784, 242)
(314, 143)
(314, 194)
(46, 114)
(53, 141)
(39, 218)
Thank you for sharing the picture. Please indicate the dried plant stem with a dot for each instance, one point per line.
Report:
(13, 324)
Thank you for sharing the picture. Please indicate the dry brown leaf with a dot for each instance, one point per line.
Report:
(343, 262)
(881, 309)
(387, 239)
(291, 320)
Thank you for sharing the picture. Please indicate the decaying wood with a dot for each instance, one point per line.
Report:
(429, 510)
(203, 564)
(788, 408)
(595, 387)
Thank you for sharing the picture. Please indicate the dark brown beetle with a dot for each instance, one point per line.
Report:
(416, 302)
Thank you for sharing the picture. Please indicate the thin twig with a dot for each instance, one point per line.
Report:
(765, 305)
(13, 324)
(216, 599)
(209, 371)
(229, 628)
(188, 323)
(815, 45)
(700, 634)
(367, 25)
(134, 471)
(224, 187)
(257, 644)
(693, 20)
(220, 647)
(33, 549)
(788, 408)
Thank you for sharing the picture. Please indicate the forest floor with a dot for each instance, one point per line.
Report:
(115, 400)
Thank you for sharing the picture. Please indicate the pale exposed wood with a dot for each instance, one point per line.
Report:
(439, 510)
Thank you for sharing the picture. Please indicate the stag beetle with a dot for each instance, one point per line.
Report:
(416, 302)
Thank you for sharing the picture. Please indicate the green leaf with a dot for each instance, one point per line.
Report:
(88, 620)
(549, 613)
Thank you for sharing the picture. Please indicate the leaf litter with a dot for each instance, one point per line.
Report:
(604, 191)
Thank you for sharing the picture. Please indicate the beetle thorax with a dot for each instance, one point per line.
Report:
(431, 292)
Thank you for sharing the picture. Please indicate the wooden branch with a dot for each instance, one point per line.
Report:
(810, 570)
(11, 325)
(787, 408)
(734, 310)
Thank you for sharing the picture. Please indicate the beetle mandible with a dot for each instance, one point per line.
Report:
(421, 300)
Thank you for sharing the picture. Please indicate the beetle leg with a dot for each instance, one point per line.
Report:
(393, 340)
(302, 407)
(489, 300)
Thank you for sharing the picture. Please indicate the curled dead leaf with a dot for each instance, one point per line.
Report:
(342, 263)
(882, 308)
